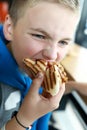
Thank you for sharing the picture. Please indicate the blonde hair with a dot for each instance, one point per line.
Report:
(18, 7)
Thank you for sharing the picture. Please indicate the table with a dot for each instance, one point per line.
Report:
(75, 64)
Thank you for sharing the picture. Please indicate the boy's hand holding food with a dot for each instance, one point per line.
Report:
(36, 105)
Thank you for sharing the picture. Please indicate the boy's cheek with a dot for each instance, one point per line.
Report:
(62, 55)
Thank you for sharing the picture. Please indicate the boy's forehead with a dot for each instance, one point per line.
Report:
(47, 18)
(48, 5)
(54, 6)
(18, 8)
(52, 10)
(51, 20)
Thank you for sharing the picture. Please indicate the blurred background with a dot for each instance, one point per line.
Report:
(3, 10)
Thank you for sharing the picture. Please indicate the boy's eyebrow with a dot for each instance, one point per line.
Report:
(67, 39)
(41, 31)
(45, 33)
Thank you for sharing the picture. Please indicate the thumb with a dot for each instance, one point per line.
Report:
(36, 83)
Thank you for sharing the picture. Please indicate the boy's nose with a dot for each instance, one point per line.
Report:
(50, 53)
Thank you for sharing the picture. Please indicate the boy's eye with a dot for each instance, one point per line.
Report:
(63, 43)
(39, 36)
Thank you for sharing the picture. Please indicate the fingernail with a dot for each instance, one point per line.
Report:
(39, 75)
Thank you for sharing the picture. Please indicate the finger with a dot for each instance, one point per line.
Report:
(36, 83)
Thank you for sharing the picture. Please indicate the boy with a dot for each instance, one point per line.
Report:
(35, 29)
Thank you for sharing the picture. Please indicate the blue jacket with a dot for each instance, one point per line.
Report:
(11, 75)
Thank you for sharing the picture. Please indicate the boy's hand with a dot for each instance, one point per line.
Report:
(36, 105)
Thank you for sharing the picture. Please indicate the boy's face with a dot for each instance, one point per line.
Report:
(44, 32)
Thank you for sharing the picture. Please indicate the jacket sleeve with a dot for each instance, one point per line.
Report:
(43, 122)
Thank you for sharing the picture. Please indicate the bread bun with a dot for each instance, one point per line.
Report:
(54, 74)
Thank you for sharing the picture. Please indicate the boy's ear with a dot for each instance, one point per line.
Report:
(8, 28)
